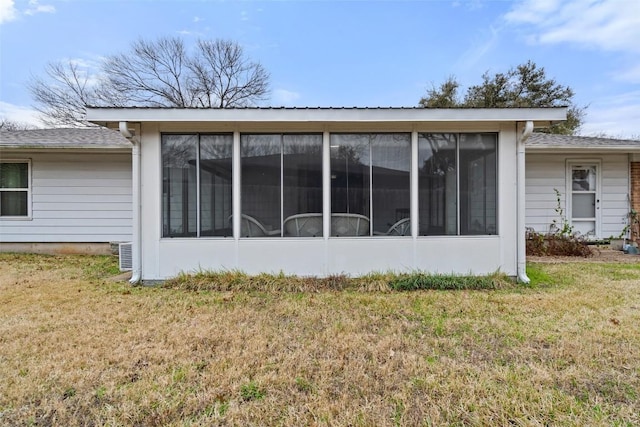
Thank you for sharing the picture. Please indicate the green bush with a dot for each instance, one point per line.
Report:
(419, 281)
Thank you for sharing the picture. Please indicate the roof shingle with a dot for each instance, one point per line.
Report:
(85, 138)
(547, 140)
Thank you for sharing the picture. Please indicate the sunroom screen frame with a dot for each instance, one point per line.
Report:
(162, 258)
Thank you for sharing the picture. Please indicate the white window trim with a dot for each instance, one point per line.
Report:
(28, 217)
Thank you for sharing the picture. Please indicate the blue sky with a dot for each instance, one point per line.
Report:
(351, 53)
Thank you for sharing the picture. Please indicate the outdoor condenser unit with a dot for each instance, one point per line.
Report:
(126, 256)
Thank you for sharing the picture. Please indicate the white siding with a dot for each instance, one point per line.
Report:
(544, 172)
(75, 197)
(321, 257)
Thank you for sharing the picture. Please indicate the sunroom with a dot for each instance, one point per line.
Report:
(320, 191)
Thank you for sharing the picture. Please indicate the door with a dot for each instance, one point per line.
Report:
(584, 198)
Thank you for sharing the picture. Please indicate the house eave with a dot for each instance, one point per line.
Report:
(542, 117)
(67, 149)
(573, 149)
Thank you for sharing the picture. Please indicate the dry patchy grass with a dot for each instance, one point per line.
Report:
(76, 349)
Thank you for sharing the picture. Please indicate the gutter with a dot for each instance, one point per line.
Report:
(136, 253)
(521, 215)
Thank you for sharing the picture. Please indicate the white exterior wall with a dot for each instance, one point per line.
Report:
(165, 257)
(544, 172)
(75, 197)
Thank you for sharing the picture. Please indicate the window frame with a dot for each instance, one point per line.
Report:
(28, 190)
(496, 187)
(326, 170)
(372, 232)
(282, 155)
(198, 189)
(458, 196)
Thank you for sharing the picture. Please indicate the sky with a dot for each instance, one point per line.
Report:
(355, 53)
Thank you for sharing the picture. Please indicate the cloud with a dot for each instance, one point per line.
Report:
(193, 33)
(90, 64)
(88, 68)
(617, 115)
(472, 56)
(8, 11)
(631, 75)
(285, 97)
(35, 7)
(609, 25)
(468, 4)
(532, 11)
(19, 113)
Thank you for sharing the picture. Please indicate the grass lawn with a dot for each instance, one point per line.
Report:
(76, 349)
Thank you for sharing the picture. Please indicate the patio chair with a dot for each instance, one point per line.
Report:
(348, 224)
(400, 228)
(303, 225)
(251, 227)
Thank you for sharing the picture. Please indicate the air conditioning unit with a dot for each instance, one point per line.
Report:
(125, 254)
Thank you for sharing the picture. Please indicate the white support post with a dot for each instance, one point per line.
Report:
(136, 243)
(521, 249)
(326, 185)
(136, 194)
(236, 185)
(415, 222)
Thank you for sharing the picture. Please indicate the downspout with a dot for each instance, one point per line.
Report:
(521, 230)
(136, 273)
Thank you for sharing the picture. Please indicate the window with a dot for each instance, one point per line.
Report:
(457, 184)
(370, 184)
(437, 184)
(281, 188)
(478, 184)
(196, 193)
(14, 188)
(281, 185)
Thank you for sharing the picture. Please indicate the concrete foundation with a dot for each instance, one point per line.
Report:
(60, 248)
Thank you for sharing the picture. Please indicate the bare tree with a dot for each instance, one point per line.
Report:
(152, 73)
(61, 96)
(223, 77)
(157, 73)
(6, 124)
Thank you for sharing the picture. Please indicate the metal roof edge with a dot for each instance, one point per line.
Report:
(110, 114)
(59, 148)
(574, 148)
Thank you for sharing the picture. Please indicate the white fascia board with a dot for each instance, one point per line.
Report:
(574, 149)
(59, 148)
(543, 116)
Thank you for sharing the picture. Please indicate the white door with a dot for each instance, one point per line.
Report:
(584, 199)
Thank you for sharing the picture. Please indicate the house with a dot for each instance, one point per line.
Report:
(321, 191)
(64, 190)
(597, 180)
